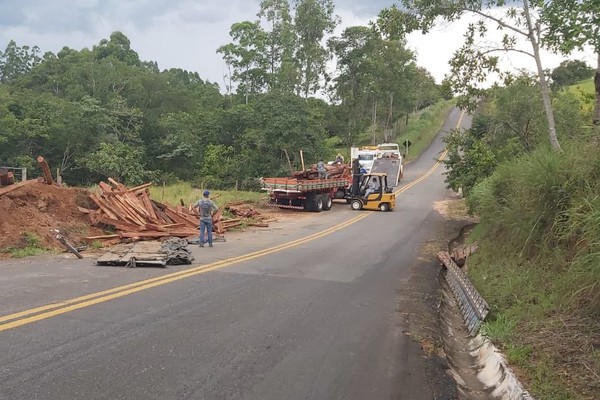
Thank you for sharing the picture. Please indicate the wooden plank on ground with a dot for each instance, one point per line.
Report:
(145, 199)
(106, 207)
(121, 225)
(106, 188)
(101, 237)
(180, 218)
(118, 185)
(142, 234)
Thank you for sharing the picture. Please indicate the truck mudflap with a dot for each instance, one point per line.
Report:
(275, 205)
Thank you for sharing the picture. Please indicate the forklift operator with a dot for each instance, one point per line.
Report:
(373, 187)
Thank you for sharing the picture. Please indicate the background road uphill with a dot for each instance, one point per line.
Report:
(337, 305)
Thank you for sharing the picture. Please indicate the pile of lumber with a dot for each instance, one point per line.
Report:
(251, 216)
(334, 171)
(135, 216)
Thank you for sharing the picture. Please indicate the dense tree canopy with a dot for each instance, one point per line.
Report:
(102, 112)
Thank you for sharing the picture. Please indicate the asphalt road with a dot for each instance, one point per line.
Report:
(318, 307)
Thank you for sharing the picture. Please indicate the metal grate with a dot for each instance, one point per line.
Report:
(472, 305)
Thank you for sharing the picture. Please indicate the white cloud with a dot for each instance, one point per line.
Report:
(186, 33)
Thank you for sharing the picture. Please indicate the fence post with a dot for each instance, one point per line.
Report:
(23, 174)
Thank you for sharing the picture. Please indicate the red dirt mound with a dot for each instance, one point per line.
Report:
(37, 209)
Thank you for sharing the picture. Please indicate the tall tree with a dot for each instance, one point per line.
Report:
(570, 72)
(573, 24)
(313, 20)
(377, 79)
(247, 57)
(473, 62)
(279, 44)
(16, 61)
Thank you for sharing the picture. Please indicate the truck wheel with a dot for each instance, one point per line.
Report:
(318, 205)
(356, 204)
(327, 202)
(384, 207)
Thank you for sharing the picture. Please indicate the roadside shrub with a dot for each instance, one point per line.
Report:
(250, 185)
(547, 205)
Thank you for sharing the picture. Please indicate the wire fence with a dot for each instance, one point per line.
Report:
(20, 173)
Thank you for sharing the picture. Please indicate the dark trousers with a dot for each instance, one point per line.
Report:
(355, 184)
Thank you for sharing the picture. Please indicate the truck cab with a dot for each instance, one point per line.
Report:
(388, 150)
(366, 155)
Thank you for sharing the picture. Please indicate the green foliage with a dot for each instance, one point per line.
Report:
(31, 247)
(119, 161)
(184, 191)
(313, 20)
(570, 72)
(423, 127)
(469, 161)
(549, 203)
(104, 112)
(378, 84)
(16, 61)
(510, 122)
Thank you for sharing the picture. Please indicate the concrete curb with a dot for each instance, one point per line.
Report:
(479, 368)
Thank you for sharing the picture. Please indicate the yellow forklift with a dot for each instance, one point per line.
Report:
(372, 193)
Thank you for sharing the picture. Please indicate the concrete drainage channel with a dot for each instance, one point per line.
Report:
(477, 366)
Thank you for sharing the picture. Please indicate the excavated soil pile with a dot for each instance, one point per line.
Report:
(37, 209)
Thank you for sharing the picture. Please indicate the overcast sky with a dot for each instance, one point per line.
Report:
(186, 33)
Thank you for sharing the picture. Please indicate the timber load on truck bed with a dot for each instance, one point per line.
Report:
(305, 191)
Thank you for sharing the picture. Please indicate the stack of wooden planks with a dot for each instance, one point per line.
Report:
(251, 216)
(135, 216)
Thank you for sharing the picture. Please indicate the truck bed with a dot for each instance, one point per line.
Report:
(389, 166)
(302, 185)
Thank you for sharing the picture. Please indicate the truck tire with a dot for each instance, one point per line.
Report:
(313, 202)
(318, 206)
(327, 202)
(356, 204)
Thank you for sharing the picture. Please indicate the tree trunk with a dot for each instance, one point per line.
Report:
(542, 79)
(374, 122)
(596, 118)
(388, 122)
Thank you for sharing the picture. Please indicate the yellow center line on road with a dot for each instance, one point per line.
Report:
(54, 309)
(25, 317)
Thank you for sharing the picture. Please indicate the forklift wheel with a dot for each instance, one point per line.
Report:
(356, 205)
(384, 207)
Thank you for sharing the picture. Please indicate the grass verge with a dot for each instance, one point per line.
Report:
(424, 127)
(538, 267)
(31, 247)
(186, 193)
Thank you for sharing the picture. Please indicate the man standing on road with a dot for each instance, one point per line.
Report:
(207, 208)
